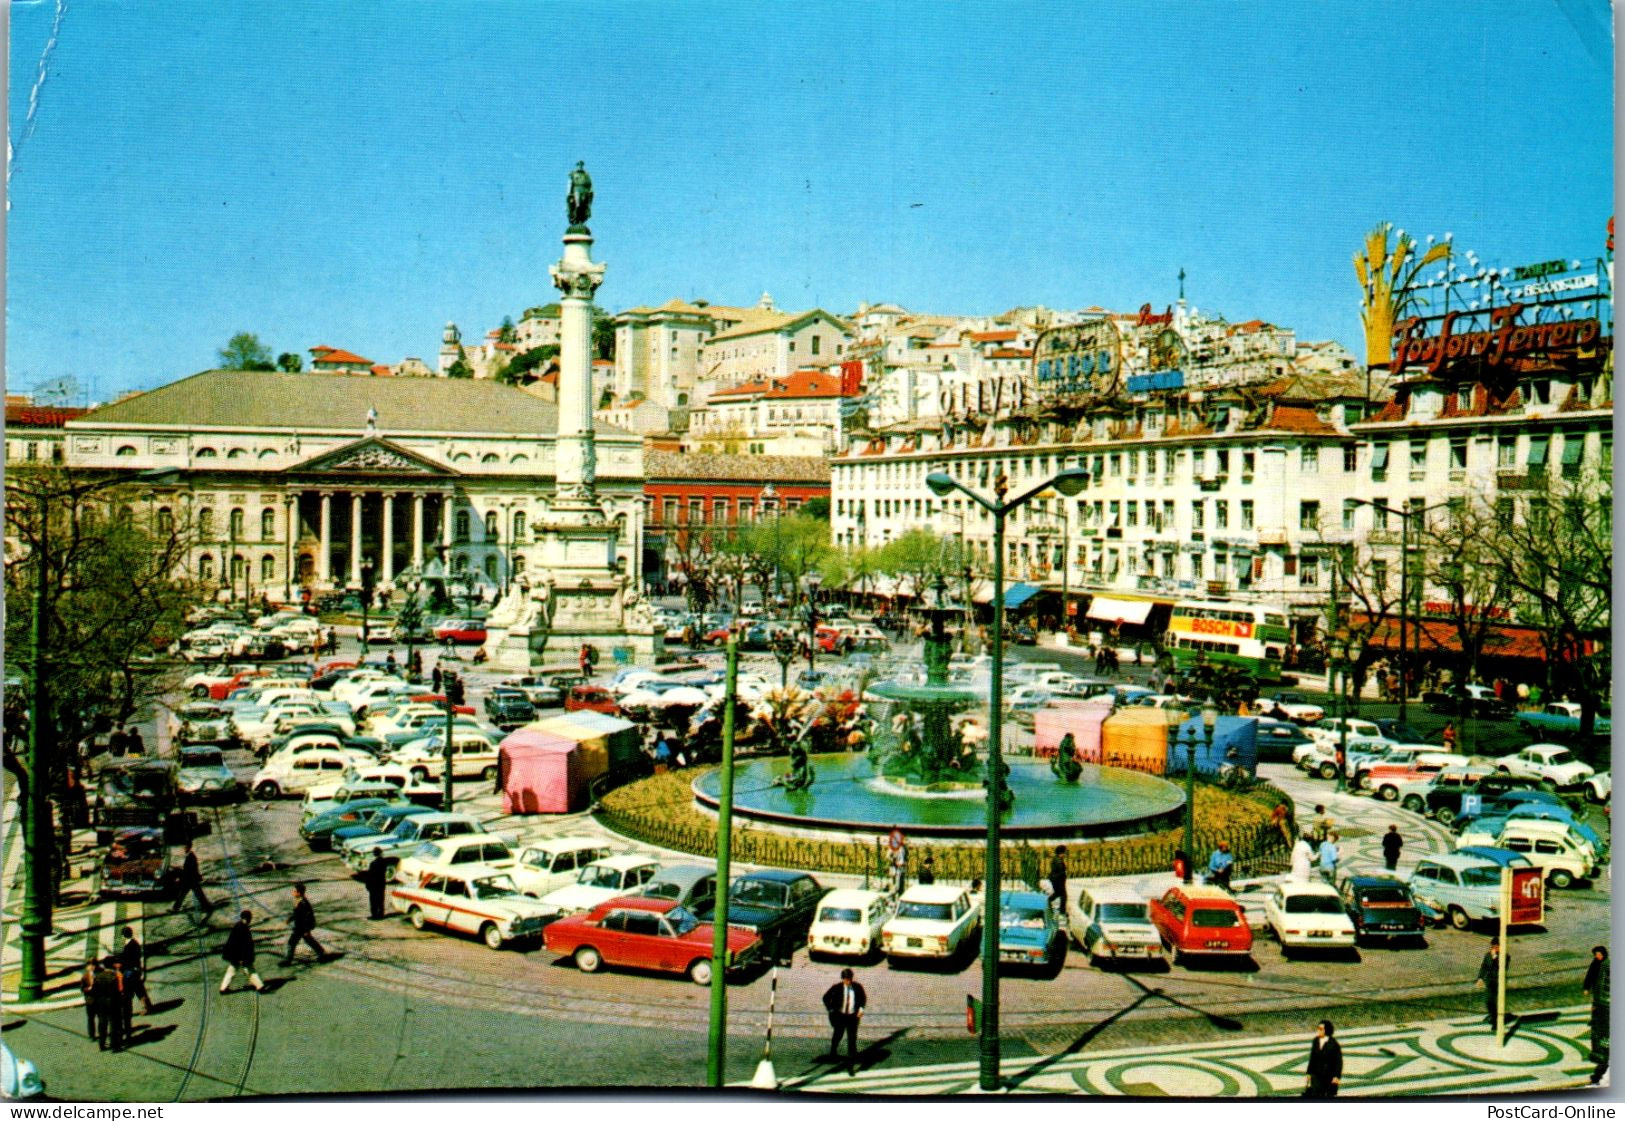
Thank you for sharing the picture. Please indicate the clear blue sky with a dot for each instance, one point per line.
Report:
(358, 174)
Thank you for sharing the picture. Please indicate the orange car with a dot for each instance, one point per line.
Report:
(1201, 920)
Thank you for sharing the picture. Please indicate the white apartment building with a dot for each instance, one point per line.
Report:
(773, 346)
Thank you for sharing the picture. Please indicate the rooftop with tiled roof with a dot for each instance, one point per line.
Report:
(662, 465)
(333, 356)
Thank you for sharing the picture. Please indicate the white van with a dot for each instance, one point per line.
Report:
(1552, 845)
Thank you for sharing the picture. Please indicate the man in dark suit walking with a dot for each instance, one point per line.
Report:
(1325, 1071)
(377, 880)
(1489, 976)
(844, 1002)
(191, 883)
(302, 926)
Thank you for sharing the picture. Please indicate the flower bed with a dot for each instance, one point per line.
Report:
(660, 810)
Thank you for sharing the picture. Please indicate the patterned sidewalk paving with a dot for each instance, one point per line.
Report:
(1546, 1052)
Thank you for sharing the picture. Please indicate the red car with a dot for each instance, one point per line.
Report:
(219, 691)
(466, 632)
(639, 932)
(591, 698)
(1201, 920)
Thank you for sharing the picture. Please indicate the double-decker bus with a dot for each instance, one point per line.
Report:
(1250, 636)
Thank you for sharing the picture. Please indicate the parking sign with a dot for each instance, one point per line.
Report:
(1471, 804)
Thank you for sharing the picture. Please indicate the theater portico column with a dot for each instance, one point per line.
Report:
(417, 531)
(445, 524)
(388, 572)
(324, 552)
(355, 538)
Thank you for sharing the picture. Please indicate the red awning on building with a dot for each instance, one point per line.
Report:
(1438, 635)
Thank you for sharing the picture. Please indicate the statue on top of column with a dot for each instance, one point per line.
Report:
(578, 203)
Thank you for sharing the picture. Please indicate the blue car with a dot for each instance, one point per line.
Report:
(1030, 932)
(379, 824)
(318, 831)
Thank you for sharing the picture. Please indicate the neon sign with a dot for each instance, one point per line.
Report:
(1504, 341)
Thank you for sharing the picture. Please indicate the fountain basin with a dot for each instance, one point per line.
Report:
(847, 795)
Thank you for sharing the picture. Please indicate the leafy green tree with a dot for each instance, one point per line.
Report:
(244, 351)
(289, 362)
(794, 546)
(522, 370)
(506, 333)
(603, 335)
(817, 508)
(460, 368)
(915, 559)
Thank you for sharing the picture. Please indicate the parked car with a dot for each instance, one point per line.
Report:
(1330, 730)
(1112, 923)
(603, 880)
(636, 932)
(691, 886)
(451, 854)
(778, 905)
(19, 1078)
(1549, 762)
(1445, 796)
(1201, 920)
(136, 863)
(848, 923)
(1554, 846)
(1292, 706)
(1467, 700)
(376, 827)
(473, 755)
(1381, 908)
(591, 698)
(297, 772)
(204, 776)
(1464, 887)
(461, 632)
(1304, 916)
(932, 922)
(204, 723)
(1386, 780)
(317, 832)
(508, 708)
(1560, 720)
(548, 865)
(1030, 934)
(407, 836)
(472, 900)
(1277, 739)
(540, 692)
(1023, 634)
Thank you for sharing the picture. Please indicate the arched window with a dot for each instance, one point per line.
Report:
(236, 523)
(205, 567)
(239, 567)
(491, 567)
(164, 522)
(267, 453)
(267, 524)
(520, 458)
(490, 525)
(267, 568)
(461, 525)
(124, 515)
(519, 525)
(490, 457)
(205, 523)
(125, 449)
(205, 453)
(460, 564)
(237, 453)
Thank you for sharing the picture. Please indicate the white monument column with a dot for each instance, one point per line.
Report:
(324, 552)
(445, 523)
(417, 531)
(577, 278)
(388, 572)
(355, 538)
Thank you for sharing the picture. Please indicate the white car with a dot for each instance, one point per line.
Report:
(932, 921)
(346, 689)
(473, 755)
(1551, 762)
(601, 881)
(848, 923)
(473, 900)
(1599, 787)
(379, 692)
(1308, 916)
(1291, 706)
(1113, 922)
(453, 854)
(396, 777)
(406, 716)
(549, 865)
(207, 648)
(1330, 730)
(296, 772)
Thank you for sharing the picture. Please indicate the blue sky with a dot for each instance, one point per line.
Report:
(358, 174)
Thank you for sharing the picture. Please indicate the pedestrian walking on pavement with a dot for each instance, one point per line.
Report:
(1449, 737)
(434, 678)
(239, 954)
(1599, 985)
(105, 995)
(133, 960)
(1488, 975)
(1057, 878)
(844, 1002)
(87, 987)
(191, 881)
(302, 924)
(1329, 854)
(1392, 842)
(377, 880)
(1325, 1071)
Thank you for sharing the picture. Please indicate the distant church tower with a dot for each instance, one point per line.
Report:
(451, 345)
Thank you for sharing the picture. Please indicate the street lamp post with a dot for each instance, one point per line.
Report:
(1068, 482)
(769, 496)
(366, 601)
(1196, 737)
(1404, 517)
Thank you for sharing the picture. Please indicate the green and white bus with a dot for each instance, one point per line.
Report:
(1249, 636)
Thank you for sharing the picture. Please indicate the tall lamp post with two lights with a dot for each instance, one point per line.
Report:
(1404, 517)
(770, 496)
(1069, 483)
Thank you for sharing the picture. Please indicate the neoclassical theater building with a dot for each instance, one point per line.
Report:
(291, 482)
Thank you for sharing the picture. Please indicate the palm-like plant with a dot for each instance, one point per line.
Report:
(1386, 277)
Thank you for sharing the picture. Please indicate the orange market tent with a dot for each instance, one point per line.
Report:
(1137, 738)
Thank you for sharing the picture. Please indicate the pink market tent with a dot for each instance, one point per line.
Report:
(540, 772)
(604, 741)
(1083, 720)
